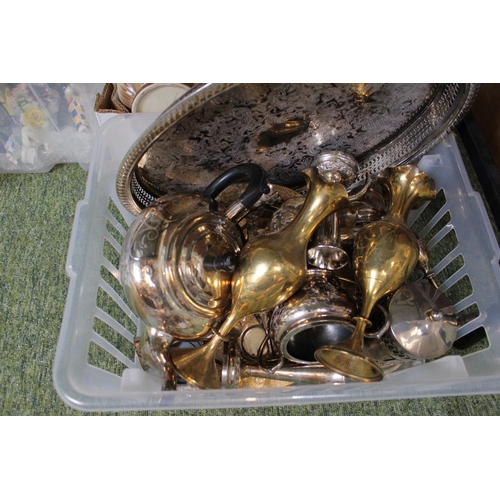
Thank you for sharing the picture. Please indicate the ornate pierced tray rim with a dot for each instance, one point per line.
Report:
(372, 163)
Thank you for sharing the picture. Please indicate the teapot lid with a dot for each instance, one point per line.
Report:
(188, 253)
(423, 321)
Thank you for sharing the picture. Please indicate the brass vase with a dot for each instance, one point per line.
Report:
(384, 255)
(271, 268)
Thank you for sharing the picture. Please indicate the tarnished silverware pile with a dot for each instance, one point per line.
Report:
(276, 287)
(306, 273)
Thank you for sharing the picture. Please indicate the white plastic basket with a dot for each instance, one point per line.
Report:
(96, 369)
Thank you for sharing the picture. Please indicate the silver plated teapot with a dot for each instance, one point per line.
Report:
(178, 255)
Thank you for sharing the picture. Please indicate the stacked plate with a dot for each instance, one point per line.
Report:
(149, 97)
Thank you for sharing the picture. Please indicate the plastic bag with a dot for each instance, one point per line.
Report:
(43, 124)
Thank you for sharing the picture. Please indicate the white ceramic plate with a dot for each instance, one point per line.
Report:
(157, 97)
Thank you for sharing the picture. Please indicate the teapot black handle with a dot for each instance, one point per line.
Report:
(251, 172)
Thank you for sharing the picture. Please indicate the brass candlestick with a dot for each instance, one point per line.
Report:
(384, 255)
(271, 268)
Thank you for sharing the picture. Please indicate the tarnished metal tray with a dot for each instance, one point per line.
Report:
(283, 127)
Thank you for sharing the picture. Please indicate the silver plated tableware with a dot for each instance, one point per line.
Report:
(319, 314)
(293, 374)
(236, 373)
(270, 269)
(326, 252)
(152, 350)
(423, 322)
(178, 255)
(255, 343)
(283, 126)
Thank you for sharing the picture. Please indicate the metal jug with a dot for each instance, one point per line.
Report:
(178, 255)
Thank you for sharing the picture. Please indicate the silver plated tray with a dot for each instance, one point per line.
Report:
(283, 127)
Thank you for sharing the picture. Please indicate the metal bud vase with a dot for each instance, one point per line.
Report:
(271, 268)
(384, 255)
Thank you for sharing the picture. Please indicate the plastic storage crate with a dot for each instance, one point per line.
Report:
(96, 369)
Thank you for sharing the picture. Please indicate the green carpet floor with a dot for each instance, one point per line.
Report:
(36, 217)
